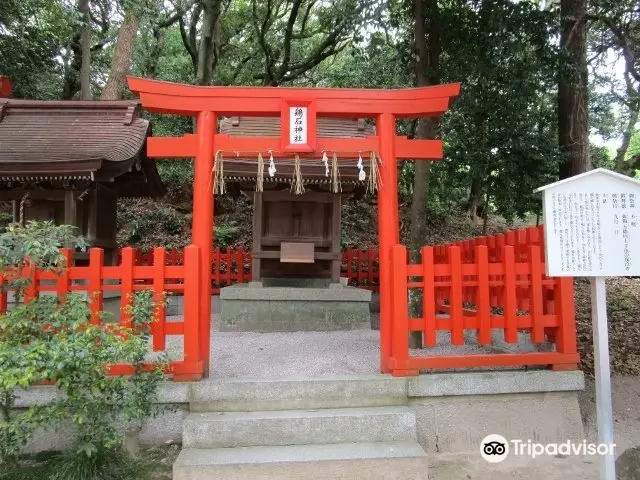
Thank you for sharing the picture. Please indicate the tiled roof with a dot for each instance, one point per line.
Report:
(101, 140)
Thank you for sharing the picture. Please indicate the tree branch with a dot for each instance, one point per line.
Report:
(293, 16)
(624, 45)
(172, 19)
(187, 44)
(261, 32)
(305, 18)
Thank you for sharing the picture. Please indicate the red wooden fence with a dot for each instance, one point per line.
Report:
(125, 278)
(231, 265)
(484, 284)
(361, 268)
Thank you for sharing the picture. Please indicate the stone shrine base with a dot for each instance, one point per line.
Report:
(278, 307)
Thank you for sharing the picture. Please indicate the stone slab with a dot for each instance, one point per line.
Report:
(291, 316)
(370, 460)
(175, 305)
(407, 468)
(473, 466)
(458, 424)
(488, 383)
(332, 391)
(298, 427)
(294, 282)
(299, 453)
(257, 308)
(357, 387)
(247, 292)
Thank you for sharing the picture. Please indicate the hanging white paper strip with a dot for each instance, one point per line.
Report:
(272, 165)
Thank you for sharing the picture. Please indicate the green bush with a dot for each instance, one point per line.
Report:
(51, 340)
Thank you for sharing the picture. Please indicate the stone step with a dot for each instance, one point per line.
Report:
(298, 427)
(331, 391)
(349, 461)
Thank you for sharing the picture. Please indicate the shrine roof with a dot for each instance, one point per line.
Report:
(243, 167)
(77, 140)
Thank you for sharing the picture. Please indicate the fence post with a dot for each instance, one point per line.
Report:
(228, 271)
(249, 262)
(96, 260)
(509, 310)
(3, 295)
(370, 255)
(158, 329)
(565, 338)
(193, 367)
(360, 265)
(483, 306)
(215, 261)
(536, 307)
(399, 312)
(126, 285)
(428, 297)
(63, 282)
(240, 265)
(456, 297)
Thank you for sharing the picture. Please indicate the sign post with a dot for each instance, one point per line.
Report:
(602, 370)
(591, 222)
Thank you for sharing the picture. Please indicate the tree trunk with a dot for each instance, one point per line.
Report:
(151, 67)
(485, 215)
(427, 70)
(475, 195)
(621, 164)
(71, 83)
(208, 48)
(121, 62)
(573, 101)
(85, 46)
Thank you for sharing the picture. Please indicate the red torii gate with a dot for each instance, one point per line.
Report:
(206, 103)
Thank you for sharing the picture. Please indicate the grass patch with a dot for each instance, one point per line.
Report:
(153, 464)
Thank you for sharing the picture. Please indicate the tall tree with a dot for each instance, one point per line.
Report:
(32, 33)
(296, 35)
(208, 51)
(85, 46)
(616, 30)
(204, 51)
(427, 45)
(121, 61)
(632, 104)
(573, 100)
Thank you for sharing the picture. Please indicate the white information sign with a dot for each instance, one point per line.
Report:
(298, 125)
(592, 222)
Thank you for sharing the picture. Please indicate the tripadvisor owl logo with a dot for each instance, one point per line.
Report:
(494, 448)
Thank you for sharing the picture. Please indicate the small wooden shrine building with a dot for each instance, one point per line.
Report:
(296, 202)
(69, 161)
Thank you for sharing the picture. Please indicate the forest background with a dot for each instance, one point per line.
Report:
(549, 89)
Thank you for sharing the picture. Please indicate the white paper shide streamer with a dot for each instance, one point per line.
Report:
(272, 166)
(361, 173)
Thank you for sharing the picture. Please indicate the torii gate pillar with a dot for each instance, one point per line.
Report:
(202, 222)
(388, 228)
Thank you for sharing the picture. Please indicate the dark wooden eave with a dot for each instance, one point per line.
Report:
(101, 141)
(242, 167)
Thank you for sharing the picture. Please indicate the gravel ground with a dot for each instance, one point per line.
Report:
(283, 354)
